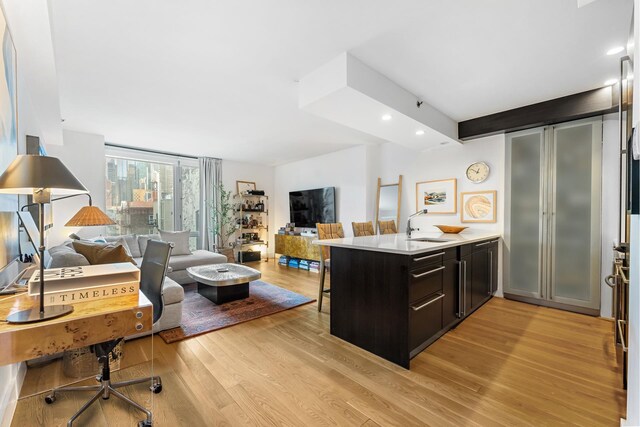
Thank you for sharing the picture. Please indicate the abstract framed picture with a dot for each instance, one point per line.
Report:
(438, 197)
(8, 108)
(478, 206)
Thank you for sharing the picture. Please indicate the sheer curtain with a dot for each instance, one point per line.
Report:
(210, 180)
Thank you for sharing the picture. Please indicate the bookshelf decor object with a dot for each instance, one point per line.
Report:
(86, 283)
(253, 222)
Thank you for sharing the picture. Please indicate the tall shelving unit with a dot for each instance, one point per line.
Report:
(261, 225)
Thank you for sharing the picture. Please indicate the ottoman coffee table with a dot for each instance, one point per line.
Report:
(222, 283)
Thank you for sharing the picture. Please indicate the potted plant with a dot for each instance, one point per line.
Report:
(224, 223)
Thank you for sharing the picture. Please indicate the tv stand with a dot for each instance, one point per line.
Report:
(297, 246)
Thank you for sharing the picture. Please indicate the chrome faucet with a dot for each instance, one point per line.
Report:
(409, 229)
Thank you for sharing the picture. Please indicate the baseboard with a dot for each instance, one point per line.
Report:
(551, 304)
(9, 403)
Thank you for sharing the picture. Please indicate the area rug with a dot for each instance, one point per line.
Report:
(199, 315)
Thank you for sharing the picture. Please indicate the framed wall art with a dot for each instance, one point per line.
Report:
(438, 197)
(243, 186)
(478, 206)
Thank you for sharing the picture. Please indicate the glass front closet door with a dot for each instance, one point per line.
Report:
(574, 198)
(524, 207)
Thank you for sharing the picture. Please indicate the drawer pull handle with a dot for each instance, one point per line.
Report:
(427, 272)
(431, 301)
(138, 315)
(495, 241)
(483, 243)
(422, 258)
(138, 326)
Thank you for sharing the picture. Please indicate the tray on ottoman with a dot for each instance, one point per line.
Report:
(222, 283)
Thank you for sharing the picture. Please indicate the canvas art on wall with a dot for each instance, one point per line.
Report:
(8, 109)
(438, 197)
(478, 206)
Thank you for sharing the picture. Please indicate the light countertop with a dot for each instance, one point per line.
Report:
(399, 244)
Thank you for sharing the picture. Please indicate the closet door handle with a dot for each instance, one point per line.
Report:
(415, 276)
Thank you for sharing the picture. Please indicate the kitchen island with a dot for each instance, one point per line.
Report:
(394, 296)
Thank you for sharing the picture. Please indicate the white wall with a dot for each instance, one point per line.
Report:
(448, 161)
(83, 154)
(346, 170)
(30, 26)
(233, 171)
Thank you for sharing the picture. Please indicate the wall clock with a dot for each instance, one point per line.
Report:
(478, 172)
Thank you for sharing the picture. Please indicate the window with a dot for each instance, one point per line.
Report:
(145, 192)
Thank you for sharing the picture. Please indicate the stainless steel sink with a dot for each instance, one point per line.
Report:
(430, 239)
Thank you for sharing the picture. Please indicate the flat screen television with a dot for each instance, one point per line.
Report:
(309, 207)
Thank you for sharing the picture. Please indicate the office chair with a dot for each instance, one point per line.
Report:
(152, 273)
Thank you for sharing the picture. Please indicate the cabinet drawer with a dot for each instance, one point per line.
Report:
(425, 319)
(425, 281)
(420, 260)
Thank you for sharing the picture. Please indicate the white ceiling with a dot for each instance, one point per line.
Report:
(217, 78)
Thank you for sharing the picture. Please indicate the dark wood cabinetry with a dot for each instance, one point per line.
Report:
(396, 305)
(479, 270)
(451, 290)
(479, 277)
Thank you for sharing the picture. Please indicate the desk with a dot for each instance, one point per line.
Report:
(91, 322)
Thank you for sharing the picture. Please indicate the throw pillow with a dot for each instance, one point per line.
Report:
(180, 240)
(65, 256)
(131, 243)
(143, 239)
(102, 253)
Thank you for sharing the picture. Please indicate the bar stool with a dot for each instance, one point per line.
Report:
(326, 231)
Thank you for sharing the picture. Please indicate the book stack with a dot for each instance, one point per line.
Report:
(85, 283)
(283, 260)
(314, 266)
(294, 262)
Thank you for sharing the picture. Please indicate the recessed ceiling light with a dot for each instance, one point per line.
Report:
(386, 117)
(615, 50)
(611, 82)
(419, 132)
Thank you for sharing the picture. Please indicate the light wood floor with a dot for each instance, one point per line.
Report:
(508, 364)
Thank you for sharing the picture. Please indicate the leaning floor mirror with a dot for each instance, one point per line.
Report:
(388, 205)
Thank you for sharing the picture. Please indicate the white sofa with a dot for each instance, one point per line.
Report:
(65, 256)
